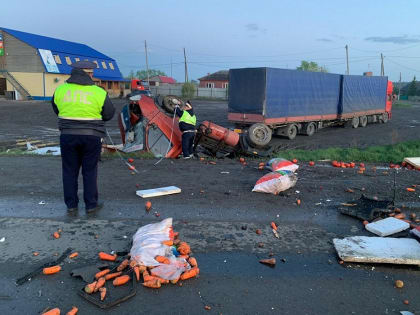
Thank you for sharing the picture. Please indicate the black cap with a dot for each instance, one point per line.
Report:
(85, 64)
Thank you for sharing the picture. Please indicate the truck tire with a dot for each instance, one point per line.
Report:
(259, 135)
(291, 131)
(309, 129)
(355, 122)
(169, 102)
(363, 121)
(383, 119)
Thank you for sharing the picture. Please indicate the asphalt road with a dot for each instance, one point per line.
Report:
(216, 213)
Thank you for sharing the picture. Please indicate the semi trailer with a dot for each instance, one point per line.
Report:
(267, 101)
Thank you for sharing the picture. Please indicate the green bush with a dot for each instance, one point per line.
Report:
(188, 90)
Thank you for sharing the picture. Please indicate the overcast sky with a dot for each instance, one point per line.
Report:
(219, 35)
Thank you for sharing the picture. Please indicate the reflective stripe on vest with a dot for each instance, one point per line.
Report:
(187, 118)
(79, 102)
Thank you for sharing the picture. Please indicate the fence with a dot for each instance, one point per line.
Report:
(199, 92)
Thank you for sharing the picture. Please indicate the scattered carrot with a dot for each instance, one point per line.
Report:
(162, 260)
(121, 280)
(148, 205)
(295, 161)
(133, 263)
(274, 226)
(400, 216)
(190, 273)
(168, 243)
(154, 284)
(298, 202)
(108, 257)
(51, 270)
(184, 248)
(123, 265)
(103, 293)
(142, 268)
(311, 163)
(270, 261)
(130, 160)
(174, 281)
(110, 276)
(90, 288)
(99, 284)
(54, 311)
(241, 160)
(73, 311)
(193, 262)
(56, 235)
(365, 223)
(102, 273)
(207, 308)
(35, 253)
(258, 231)
(73, 255)
(410, 189)
(137, 272)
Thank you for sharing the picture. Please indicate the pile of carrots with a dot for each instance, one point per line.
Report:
(133, 269)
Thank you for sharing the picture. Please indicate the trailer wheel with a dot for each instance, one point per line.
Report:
(310, 129)
(259, 135)
(363, 121)
(355, 122)
(383, 119)
(291, 131)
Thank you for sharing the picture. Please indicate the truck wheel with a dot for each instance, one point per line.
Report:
(291, 131)
(310, 129)
(259, 135)
(169, 102)
(383, 119)
(363, 121)
(355, 122)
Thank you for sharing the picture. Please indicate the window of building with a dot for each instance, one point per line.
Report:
(104, 65)
(97, 65)
(57, 59)
(109, 85)
(111, 66)
(210, 85)
(77, 59)
(225, 85)
(68, 60)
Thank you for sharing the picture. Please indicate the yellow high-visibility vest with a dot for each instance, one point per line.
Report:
(79, 102)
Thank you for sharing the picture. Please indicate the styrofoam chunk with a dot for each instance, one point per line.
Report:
(386, 250)
(387, 226)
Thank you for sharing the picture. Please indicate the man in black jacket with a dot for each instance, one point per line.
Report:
(82, 109)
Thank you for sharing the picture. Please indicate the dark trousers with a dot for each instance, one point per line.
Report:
(187, 143)
(80, 151)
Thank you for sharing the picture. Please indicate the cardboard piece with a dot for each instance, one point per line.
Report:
(148, 193)
(384, 250)
(413, 161)
(387, 226)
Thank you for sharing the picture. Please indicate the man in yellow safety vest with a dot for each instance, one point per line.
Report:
(187, 121)
(82, 109)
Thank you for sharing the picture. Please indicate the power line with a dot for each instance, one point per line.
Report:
(398, 64)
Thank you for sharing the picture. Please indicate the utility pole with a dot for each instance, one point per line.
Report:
(186, 69)
(347, 58)
(147, 64)
(382, 65)
(399, 88)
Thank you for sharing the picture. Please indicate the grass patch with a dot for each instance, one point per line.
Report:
(142, 155)
(402, 105)
(386, 153)
(13, 152)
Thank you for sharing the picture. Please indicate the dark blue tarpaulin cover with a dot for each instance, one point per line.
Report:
(362, 93)
(292, 93)
(278, 93)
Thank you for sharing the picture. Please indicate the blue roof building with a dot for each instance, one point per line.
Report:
(34, 65)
